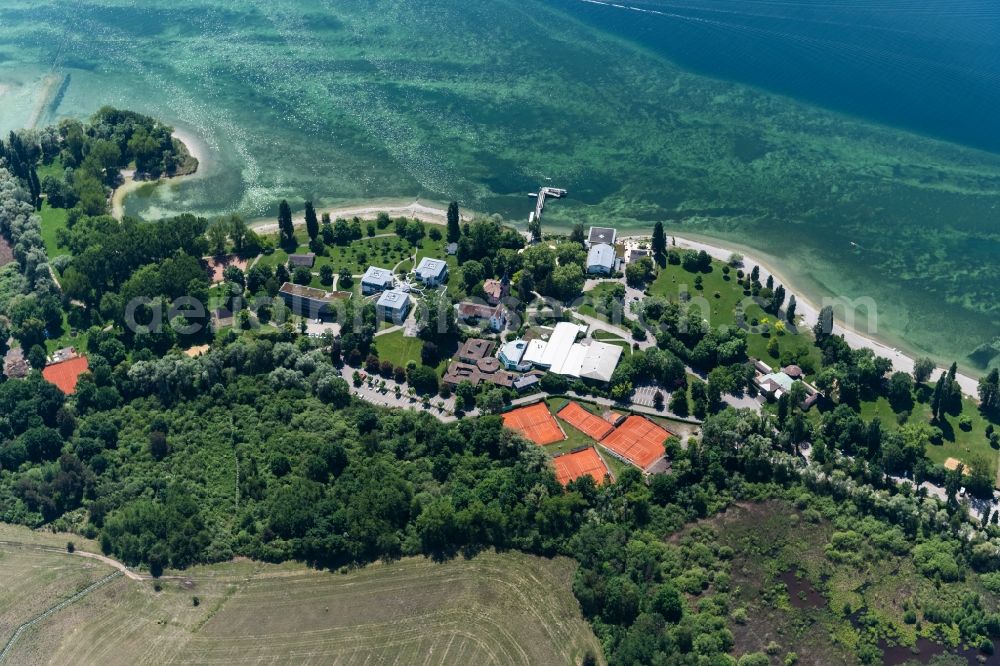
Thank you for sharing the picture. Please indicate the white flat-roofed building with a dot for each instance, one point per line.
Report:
(432, 272)
(601, 259)
(572, 362)
(535, 351)
(599, 235)
(559, 345)
(600, 361)
(392, 306)
(376, 279)
(563, 355)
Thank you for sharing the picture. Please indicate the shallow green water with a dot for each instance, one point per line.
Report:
(481, 101)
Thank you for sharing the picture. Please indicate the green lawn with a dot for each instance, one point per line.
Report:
(400, 350)
(717, 309)
(384, 252)
(801, 345)
(53, 219)
(606, 336)
(593, 304)
(957, 443)
(719, 300)
(54, 169)
(66, 337)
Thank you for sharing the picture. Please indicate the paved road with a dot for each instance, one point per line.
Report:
(601, 325)
(605, 402)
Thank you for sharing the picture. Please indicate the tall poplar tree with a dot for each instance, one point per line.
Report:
(454, 218)
(286, 230)
(312, 224)
(659, 243)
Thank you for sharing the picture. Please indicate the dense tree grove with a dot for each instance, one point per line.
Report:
(328, 480)
(92, 155)
(29, 298)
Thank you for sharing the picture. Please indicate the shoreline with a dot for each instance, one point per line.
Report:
(434, 212)
(129, 184)
(50, 84)
(807, 311)
(430, 212)
(195, 147)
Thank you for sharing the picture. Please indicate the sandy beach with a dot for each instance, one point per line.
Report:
(195, 148)
(129, 185)
(807, 310)
(435, 213)
(426, 212)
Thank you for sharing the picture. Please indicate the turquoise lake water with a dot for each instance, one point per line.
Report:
(795, 128)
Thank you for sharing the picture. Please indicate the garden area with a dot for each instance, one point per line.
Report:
(605, 302)
(382, 251)
(963, 435)
(53, 221)
(400, 350)
(716, 292)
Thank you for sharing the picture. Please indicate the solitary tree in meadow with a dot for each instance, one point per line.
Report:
(939, 397)
(790, 312)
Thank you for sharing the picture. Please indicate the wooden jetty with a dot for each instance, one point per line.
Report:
(540, 196)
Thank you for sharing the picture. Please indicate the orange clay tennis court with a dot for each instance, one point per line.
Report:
(536, 423)
(66, 374)
(573, 465)
(591, 425)
(637, 440)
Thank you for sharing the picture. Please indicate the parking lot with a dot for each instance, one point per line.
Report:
(644, 395)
